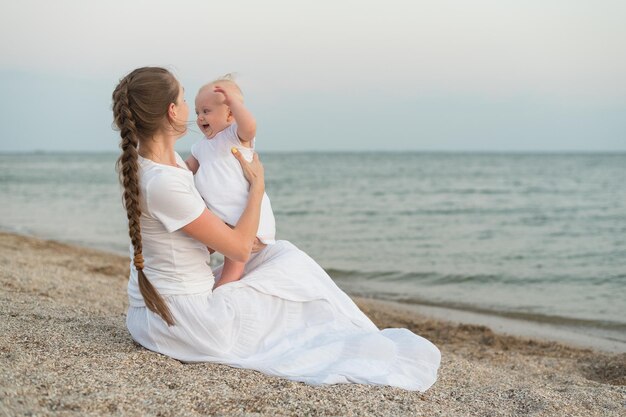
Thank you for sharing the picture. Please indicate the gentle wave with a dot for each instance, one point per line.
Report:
(434, 278)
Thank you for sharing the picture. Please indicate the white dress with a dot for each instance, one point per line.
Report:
(221, 182)
(285, 317)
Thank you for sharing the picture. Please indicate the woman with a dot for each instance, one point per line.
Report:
(285, 317)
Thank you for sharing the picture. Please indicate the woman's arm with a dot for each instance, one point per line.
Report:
(235, 243)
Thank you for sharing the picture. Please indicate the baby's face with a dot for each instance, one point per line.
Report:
(213, 115)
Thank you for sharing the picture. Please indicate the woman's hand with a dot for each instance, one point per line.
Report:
(253, 171)
(257, 245)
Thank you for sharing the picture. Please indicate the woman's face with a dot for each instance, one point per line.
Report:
(182, 112)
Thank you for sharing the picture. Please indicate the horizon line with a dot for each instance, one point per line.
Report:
(346, 151)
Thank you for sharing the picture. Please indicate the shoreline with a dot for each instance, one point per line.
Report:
(65, 350)
(583, 337)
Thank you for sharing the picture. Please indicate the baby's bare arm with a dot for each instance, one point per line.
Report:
(192, 164)
(246, 124)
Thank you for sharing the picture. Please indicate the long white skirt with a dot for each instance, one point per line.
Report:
(286, 317)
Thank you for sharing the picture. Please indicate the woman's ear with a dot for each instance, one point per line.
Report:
(171, 111)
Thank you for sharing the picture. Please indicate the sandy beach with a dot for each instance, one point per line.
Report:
(65, 351)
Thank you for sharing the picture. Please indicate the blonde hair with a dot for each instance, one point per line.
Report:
(226, 78)
(140, 105)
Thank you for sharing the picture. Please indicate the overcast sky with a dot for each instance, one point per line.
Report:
(499, 75)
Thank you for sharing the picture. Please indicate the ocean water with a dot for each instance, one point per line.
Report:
(540, 237)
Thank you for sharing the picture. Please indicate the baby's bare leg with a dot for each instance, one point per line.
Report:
(232, 271)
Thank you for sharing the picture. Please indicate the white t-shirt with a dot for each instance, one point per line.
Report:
(221, 182)
(174, 262)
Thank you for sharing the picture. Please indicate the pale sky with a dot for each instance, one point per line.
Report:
(393, 75)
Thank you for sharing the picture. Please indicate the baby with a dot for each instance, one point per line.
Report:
(226, 123)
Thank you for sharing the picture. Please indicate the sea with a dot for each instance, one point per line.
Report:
(534, 239)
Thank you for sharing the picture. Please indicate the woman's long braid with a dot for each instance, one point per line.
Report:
(128, 168)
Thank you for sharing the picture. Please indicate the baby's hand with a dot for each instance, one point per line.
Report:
(230, 94)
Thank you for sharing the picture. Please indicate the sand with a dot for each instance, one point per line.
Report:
(64, 350)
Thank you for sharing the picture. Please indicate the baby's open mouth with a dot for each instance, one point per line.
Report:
(205, 126)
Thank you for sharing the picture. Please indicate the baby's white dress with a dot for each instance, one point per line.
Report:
(285, 317)
(221, 182)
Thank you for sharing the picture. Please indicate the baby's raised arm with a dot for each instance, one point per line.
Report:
(246, 124)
